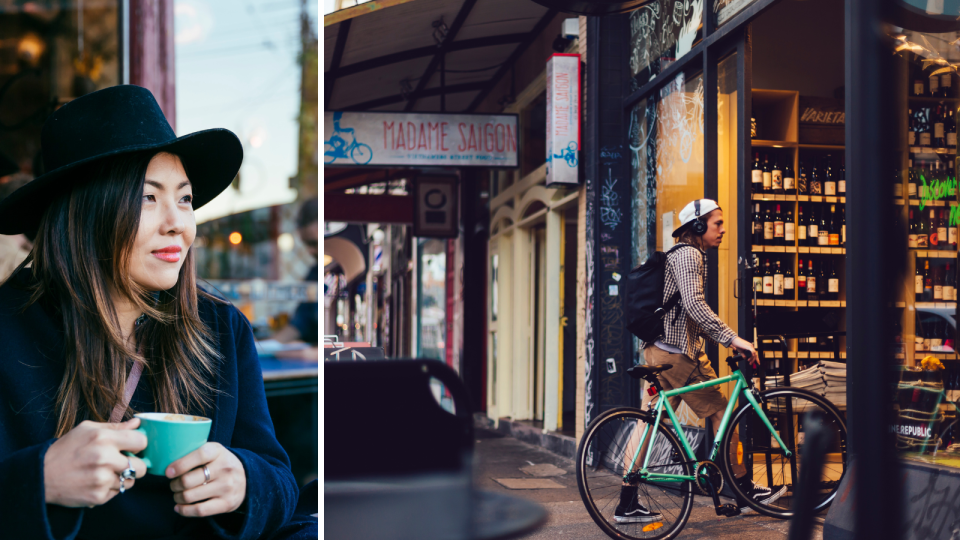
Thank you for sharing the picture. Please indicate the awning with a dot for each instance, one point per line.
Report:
(384, 56)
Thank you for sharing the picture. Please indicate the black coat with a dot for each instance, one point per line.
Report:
(31, 368)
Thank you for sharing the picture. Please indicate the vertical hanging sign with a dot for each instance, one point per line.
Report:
(563, 120)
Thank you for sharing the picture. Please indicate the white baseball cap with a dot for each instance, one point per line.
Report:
(690, 212)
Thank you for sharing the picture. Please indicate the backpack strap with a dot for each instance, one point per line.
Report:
(663, 310)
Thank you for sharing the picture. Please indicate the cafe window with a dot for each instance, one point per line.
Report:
(50, 53)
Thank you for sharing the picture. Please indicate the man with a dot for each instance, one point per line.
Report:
(303, 326)
(701, 228)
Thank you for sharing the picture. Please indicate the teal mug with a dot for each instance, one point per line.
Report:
(169, 438)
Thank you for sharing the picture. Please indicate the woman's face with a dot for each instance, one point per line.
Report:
(167, 225)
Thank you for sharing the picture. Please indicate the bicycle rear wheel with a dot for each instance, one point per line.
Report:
(606, 449)
(766, 460)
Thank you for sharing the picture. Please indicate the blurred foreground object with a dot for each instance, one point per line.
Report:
(415, 477)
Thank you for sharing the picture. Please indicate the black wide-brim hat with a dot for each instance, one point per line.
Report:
(110, 122)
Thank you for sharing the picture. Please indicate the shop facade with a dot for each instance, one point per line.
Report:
(853, 102)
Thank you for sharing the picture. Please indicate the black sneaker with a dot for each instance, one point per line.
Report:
(762, 494)
(631, 511)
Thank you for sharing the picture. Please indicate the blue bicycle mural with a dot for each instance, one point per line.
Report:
(336, 146)
(569, 154)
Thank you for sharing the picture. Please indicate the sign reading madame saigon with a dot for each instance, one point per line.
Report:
(419, 139)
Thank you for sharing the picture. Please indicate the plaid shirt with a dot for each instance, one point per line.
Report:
(691, 318)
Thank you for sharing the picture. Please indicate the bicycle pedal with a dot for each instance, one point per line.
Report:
(728, 510)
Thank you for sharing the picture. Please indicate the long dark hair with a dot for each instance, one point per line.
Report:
(81, 257)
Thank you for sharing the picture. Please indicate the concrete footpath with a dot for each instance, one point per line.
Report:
(534, 473)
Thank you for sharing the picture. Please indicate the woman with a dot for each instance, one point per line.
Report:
(107, 294)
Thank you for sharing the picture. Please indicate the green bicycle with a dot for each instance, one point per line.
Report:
(630, 446)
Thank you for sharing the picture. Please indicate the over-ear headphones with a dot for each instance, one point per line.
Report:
(698, 227)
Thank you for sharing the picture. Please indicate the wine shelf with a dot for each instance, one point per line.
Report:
(822, 250)
(824, 355)
(925, 254)
(761, 143)
(772, 197)
(936, 305)
(802, 303)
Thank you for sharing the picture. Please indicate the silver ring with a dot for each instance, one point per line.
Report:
(206, 475)
(127, 474)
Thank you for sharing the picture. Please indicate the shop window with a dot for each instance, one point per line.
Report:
(926, 211)
(666, 143)
(49, 56)
(661, 32)
(533, 125)
(431, 298)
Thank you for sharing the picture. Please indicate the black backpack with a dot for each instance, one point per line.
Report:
(643, 304)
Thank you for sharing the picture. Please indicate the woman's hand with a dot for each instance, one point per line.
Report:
(223, 494)
(746, 348)
(83, 467)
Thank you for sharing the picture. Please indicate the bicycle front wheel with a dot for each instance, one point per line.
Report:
(603, 457)
(769, 465)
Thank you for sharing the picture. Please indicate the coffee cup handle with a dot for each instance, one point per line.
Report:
(146, 461)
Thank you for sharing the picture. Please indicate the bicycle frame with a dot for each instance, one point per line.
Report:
(663, 403)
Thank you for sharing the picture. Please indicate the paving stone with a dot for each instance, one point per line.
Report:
(543, 470)
(528, 483)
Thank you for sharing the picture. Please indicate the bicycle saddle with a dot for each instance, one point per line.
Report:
(642, 372)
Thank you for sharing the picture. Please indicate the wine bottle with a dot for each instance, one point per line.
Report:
(951, 235)
(937, 286)
(942, 232)
(946, 85)
(833, 283)
(949, 286)
(843, 225)
(789, 180)
(778, 282)
(927, 282)
(801, 282)
(918, 283)
(823, 232)
(811, 282)
(897, 184)
(768, 227)
(939, 135)
(911, 181)
(757, 226)
(842, 180)
(767, 280)
(834, 235)
(829, 180)
(823, 282)
(923, 129)
(778, 228)
(801, 228)
(952, 130)
(788, 284)
(789, 228)
(815, 184)
(756, 174)
(912, 234)
(767, 176)
(933, 240)
(802, 181)
(757, 277)
(776, 176)
(934, 86)
(923, 233)
(918, 87)
(813, 230)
